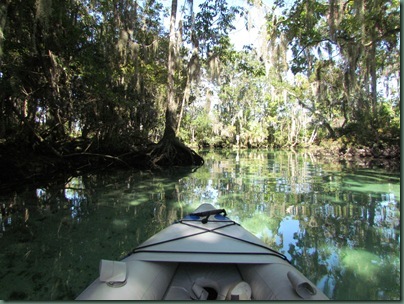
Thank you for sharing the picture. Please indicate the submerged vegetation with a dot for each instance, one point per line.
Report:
(90, 82)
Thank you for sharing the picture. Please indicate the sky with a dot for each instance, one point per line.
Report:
(240, 36)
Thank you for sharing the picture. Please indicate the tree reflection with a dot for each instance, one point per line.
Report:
(358, 236)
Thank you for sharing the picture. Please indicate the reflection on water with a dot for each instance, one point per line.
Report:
(338, 224)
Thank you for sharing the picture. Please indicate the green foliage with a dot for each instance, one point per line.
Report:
(199, 128)
(341, 49)
(388, 123)
(97, 70)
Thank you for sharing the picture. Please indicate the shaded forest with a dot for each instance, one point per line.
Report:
(90, 83)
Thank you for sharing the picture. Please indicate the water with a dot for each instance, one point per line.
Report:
(339, 224)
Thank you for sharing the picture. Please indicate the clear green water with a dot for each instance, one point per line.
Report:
(339, 224)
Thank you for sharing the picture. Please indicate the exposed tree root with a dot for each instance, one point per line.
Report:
(172, 152)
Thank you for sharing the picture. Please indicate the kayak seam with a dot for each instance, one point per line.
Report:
(207, 252)
(181, 237)
(274, 252)
(206, 230)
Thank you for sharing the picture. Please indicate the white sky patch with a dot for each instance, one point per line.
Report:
(247, 31)
(240, 36)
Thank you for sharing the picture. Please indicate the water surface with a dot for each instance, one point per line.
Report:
(337, 223)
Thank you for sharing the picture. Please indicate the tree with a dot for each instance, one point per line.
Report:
(350, 39)
(241, 95)
(205, 33)
(170, 151)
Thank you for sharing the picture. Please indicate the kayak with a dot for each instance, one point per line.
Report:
(203, 256)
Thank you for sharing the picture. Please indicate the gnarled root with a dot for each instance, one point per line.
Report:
(172, 152)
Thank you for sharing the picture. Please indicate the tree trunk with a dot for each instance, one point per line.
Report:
(171, 111)
(170, 151)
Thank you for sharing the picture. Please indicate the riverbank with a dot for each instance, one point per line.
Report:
(19, 166)
(388, 157)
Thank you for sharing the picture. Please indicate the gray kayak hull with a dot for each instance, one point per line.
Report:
(203, 256)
